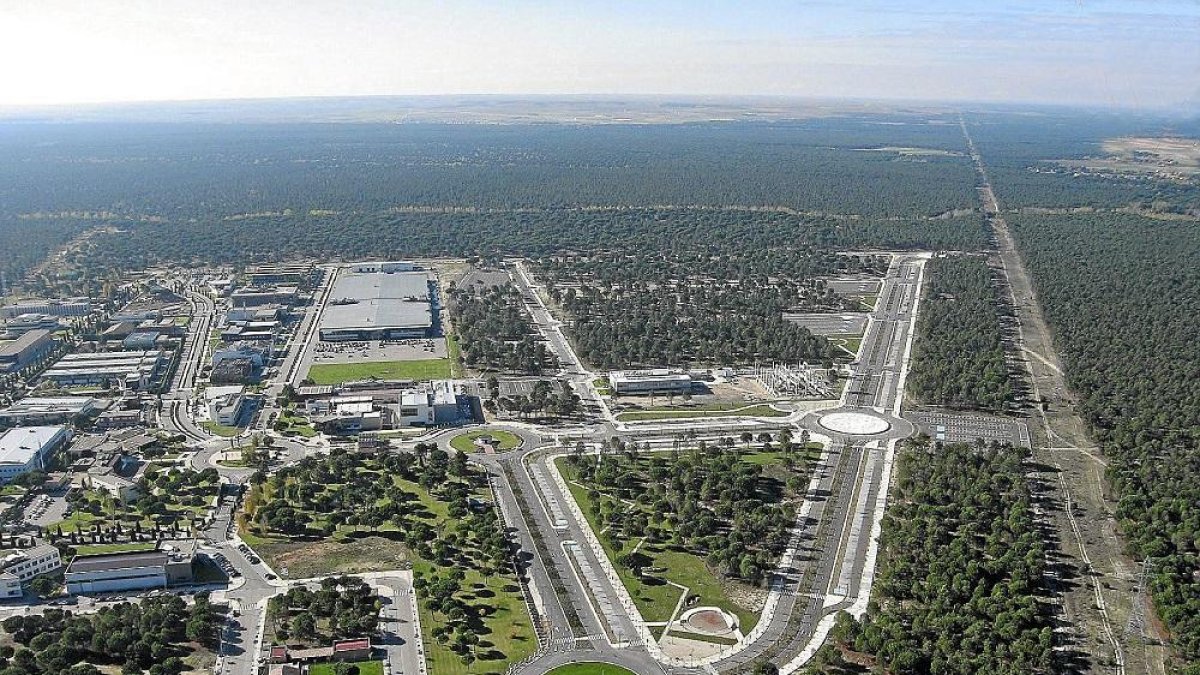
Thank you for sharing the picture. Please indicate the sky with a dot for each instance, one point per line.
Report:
(1120, 53)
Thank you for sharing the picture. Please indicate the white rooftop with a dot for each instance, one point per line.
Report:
(19, 445)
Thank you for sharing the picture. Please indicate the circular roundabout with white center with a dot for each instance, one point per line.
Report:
(854, 423)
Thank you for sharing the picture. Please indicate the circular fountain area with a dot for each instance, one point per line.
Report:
(854, 423)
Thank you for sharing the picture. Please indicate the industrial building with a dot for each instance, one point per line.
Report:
(20, 567)
(43, 410)
(170, 564)
(296, 274)
(26, 349)
(380, 306)
(127, 370)
(25, 449)
(72, 307)
(281, 295)
(384, 267)
(656, 381)
(24, 323)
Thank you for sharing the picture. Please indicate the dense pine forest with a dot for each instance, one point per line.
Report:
(1122, 294)
(495, 332)
(960, 571)
(958, 357)
(693, 309)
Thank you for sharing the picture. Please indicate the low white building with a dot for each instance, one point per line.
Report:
(44, 410)
(226, 404)
(122, 489)
(20, 567)
(438, 404)
(25, 449)
(131, 571)
(656, 381)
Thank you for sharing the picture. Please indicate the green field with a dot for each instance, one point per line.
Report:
(760, 410)
(591, 668)
(364, 668)
(220, 429)
(105, 549)
(504, 440)
(421, 369)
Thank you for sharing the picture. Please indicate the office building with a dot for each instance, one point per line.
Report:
(437, 404)
(170, 563)
(226, 405)
(24, 323)
(657, 381)
(72, 307)
(18, 568)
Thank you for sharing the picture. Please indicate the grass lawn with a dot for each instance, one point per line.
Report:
(421, 369)
(104, 549)
(591, 668)
(602, 386)
(220, 429)
(655, 599)
(454, 354)
(364, 668)
(466, 442)
(851, 343)
(758, 410)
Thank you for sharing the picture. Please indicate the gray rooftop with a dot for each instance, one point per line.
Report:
(119, 561)
(379, 300)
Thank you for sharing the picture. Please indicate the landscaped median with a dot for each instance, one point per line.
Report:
(666, 523)
(712, 410)
(591, 668)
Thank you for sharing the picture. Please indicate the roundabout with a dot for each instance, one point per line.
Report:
(854, 423)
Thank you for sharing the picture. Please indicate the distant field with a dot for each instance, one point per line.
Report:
(423, 369)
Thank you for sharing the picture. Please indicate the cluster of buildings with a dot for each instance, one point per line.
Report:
(381, 301)
(440, 403)
(125, 370)
(168, 563)
(289, 661)
(29, 315)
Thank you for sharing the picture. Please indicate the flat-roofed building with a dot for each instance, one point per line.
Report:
(24, 323)
(656, 381)
(281, 295)
(380, 306)
(170, 563)
(226, 404)
(26, 349)
(23, 566)
(25, 449)
(129, 370)
(296, 274)
(42, 410)
(71, 307)
(438, 404)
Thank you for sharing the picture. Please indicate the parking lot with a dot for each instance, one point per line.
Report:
(854, 286)
(45, 510)
(967, 428)
(379, 350)
(831, 324)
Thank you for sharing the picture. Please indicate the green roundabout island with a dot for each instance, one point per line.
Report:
(591, 668)
(474, 441)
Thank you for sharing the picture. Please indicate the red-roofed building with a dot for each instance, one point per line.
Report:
(352, 650)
